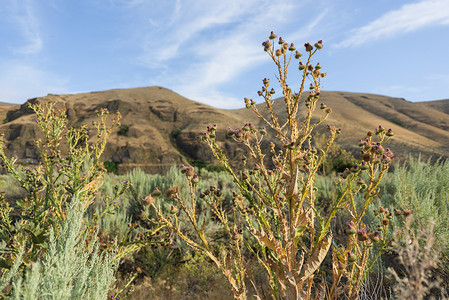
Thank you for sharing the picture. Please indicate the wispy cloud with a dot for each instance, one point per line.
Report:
(23, 17)
(188, 20)
(408, 18)
(215, 44)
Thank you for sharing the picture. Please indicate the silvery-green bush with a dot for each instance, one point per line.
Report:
(73, 267)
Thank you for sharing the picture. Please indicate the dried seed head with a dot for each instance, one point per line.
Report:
(272, 36)
(172, 192)
(266, 45)
(148, 200)
(319, 45)
(190, 171)
(361, 235)
(308, 47)
(236, 236)
(408, 212)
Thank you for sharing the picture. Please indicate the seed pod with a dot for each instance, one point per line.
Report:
(375, 237)
(319, 45)
(389, 133)
(308, 47)
(173, 210)
(272, 36)
(156, 193)
(351, 257)
(350, 229)
(195, 179)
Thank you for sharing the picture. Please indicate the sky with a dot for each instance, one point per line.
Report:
(211, 52)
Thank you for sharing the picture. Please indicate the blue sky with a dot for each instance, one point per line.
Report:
(210, 51)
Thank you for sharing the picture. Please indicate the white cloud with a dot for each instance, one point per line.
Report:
(208, 61)
(187, 21)
(23, 17)
(408, 18)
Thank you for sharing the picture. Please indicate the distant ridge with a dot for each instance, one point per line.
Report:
(159, 126)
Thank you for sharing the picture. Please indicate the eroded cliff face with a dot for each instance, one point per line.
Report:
(159, 127)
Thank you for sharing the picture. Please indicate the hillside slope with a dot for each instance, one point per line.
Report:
(159, 126)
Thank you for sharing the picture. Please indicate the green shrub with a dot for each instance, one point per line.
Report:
(111, 166)
(73, 267)
(47, 226)
(424, 188)
(123, 129)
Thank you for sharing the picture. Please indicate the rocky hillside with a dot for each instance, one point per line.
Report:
(159, 126)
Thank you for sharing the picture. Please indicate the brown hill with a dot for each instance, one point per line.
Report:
(159, 126)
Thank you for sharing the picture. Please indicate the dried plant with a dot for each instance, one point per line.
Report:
(418, 255)
(275, 216)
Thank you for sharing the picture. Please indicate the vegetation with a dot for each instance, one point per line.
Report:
(277, 208)
(302, 222)
(47, 248)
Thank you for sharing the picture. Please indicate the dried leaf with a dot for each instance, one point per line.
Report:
(314, 261)
(262, 237)
(292, 188)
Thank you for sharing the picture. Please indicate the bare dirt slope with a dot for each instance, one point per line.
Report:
(159, 126)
